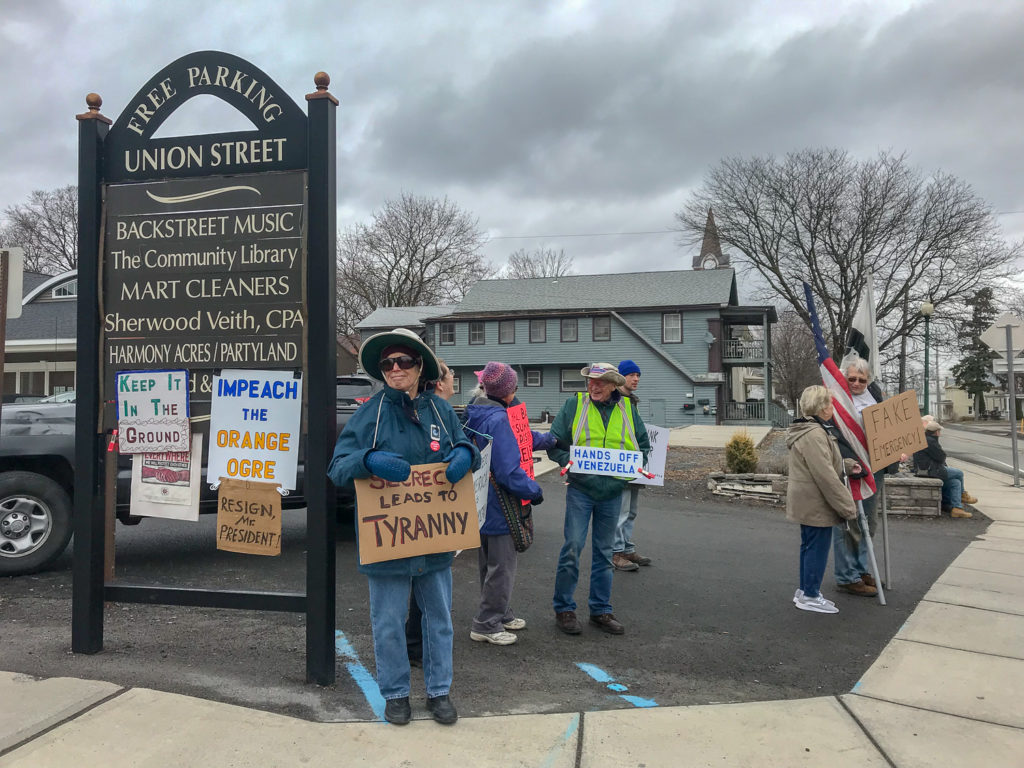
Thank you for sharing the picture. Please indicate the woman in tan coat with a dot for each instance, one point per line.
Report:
(817, 497)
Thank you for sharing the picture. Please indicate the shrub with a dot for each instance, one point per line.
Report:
(740, 454)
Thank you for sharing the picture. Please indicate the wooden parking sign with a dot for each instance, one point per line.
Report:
(197, 254)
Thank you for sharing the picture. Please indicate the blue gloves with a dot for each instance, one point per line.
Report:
(388, 465)
(459, 462)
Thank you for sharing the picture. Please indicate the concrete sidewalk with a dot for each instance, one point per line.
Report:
(945, 691)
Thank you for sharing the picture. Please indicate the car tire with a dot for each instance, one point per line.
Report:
(35, 522)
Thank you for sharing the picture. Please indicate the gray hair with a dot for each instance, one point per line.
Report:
(814, 400)
(858, 363)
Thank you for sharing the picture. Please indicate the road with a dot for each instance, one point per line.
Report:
(710, 621)
(981, 447)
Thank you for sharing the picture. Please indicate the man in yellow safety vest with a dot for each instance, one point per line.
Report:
(599, 418)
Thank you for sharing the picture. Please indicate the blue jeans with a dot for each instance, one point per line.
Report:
(848, 564)
(623, 544)
(814, 543)
(579, 509)
(389, 605)
(953, 488)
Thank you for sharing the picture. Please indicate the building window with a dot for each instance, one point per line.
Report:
(671, 328)
(447, 333)
(602, 328)
(538, 331)
(476, 333)
(572, 381)
(507, 332)
(456, 383)
(534, 377)
(570, 329)
(66, 291)
(430, 336)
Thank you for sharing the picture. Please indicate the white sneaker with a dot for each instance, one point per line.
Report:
(515, 624)
(800, 593)
(495, 638)
(817, 604)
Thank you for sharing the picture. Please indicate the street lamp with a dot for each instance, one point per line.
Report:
(927, 308)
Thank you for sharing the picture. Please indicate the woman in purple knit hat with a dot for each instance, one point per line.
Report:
(487, 414)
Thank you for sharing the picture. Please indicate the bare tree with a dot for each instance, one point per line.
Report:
(820, 216)
(794, 362)
(541, 262)
(416, 251)
(47, 228)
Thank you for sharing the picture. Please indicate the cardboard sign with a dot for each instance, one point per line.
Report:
(167, 484)
(152, 412)
(423, 515)
(893, 427)
(605, 461)
(482, 483)
(520, 424)
(254, 426)
(249, 517)
(657, 457)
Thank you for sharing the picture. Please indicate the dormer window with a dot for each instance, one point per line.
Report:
(68, 290)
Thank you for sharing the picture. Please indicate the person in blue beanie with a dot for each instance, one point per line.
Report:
(397, 428)
(624, 554)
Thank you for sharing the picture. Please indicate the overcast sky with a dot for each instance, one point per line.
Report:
(557, 120)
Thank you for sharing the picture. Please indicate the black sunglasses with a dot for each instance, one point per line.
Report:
(402, 361)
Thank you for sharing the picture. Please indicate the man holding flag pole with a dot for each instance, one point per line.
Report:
(847, 419)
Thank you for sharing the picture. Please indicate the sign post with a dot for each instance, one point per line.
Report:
(1013, 334)
(10, 301)
(197, 254)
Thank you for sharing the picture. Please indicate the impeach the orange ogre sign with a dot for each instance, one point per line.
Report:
(419, 516)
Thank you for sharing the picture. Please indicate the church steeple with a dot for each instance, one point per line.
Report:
(710, 255)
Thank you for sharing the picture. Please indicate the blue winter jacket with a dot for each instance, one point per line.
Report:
(397, 432)
(488, 416)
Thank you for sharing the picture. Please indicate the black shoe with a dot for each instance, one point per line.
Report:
(568, 623)
(442, 709)
(398, 711)
(607, 623)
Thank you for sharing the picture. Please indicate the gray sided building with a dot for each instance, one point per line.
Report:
(42, 344)
(684, 329)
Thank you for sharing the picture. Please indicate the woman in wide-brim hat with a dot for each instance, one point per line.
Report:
(400, 426)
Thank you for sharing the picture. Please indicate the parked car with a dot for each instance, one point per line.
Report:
(37, 471)
(20, 397)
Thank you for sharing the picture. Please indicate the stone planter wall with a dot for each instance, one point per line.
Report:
(910, 495)
(905, 494)
(750, 486)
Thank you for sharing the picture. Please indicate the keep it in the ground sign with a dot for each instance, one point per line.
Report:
(152, 411)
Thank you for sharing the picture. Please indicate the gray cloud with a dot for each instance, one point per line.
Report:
(543, 118)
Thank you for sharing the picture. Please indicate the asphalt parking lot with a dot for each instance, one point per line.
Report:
(710, 621)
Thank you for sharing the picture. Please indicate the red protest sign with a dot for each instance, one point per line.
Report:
(520, 424)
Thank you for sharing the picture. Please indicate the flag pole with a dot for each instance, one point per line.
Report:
(884, 502)
(866, 536)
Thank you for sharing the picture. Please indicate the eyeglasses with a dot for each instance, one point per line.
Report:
(855, 379)
(402, 361)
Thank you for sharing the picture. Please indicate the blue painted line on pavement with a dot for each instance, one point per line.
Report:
(556, 751)
(601, 676)
(855, 686)
(362, 677)
(595, 672)
(638, 701)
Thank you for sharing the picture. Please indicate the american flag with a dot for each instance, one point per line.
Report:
(842, 402)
